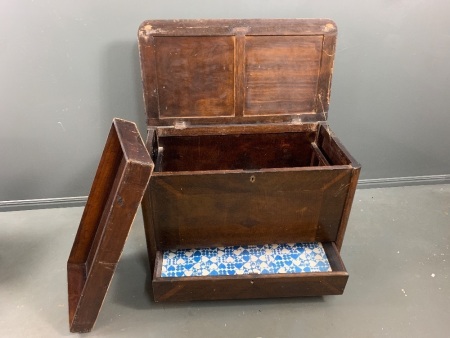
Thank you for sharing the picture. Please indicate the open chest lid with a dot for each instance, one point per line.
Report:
(197, 72)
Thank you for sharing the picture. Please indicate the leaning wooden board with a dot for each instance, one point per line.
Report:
(236, 116)
(120, 181)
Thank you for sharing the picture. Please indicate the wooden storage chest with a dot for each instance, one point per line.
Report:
(243, 156)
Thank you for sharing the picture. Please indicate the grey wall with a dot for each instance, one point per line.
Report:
(68, 67)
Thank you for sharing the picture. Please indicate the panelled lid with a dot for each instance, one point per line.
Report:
(236, 71)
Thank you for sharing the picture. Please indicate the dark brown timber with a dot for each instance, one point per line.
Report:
(236, 113)
(236, 71)
(236, 117)
(120, 181)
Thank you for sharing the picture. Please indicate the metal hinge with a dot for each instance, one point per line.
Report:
(180, 125)
(296, 120)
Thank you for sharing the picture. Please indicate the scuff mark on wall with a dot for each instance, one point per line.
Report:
(62, 126)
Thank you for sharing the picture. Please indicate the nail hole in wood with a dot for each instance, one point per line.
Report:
(120, 200)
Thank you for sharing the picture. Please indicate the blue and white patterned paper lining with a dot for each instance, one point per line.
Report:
(244, 260)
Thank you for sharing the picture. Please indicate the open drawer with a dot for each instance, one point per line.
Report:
(223, 275)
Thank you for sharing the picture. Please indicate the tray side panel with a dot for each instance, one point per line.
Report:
(337, 153)
(146, 205)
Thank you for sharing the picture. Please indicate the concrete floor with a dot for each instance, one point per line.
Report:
(396, 251)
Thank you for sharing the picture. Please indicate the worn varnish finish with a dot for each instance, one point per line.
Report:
(232, 208)
(122, 175)
(204, 74)
(281, 74)
(236, 113)
(236, 71)
(235, 151)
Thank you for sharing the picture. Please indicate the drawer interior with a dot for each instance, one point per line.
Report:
(245, 260)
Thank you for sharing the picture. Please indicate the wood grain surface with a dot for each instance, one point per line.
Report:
(236, 71)
(122, 176)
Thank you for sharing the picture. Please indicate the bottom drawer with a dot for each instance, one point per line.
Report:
(265, 271)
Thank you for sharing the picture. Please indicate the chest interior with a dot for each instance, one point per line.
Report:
(250, 149)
